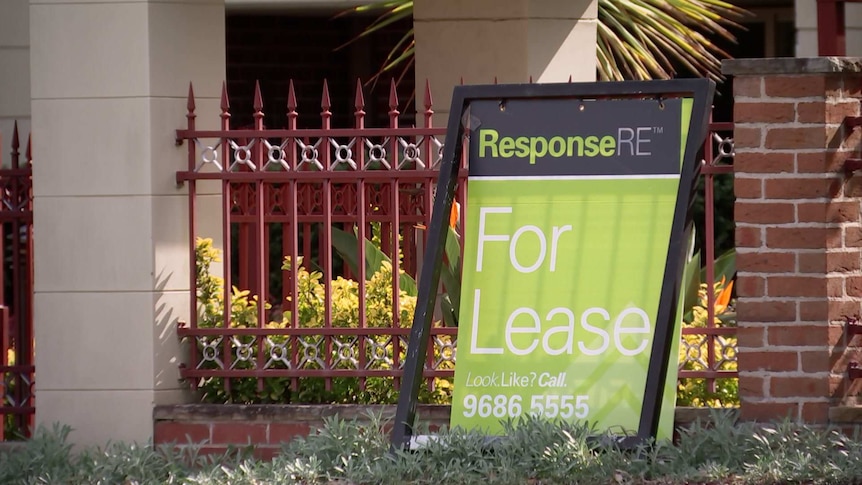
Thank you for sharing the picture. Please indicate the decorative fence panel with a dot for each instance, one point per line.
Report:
(325, 226)
(709, 350)
(17, 404)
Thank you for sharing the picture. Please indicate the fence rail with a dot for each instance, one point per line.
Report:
(296, 205)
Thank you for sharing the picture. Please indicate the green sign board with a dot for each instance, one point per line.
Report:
(575, 235)
(569, 213)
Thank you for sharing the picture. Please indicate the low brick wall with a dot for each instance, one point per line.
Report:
(216, 427)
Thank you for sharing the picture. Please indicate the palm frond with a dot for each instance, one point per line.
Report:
(636, 39)
(394, 10)
(648, 38)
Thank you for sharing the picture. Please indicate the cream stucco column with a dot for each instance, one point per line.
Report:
(14, 72)
(806, 28)
(511, 40)
(109, 85)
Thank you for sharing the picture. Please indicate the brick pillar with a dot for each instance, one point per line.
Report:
(798, 233)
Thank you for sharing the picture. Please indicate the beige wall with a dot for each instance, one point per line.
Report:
(14, 72)
(109, 85)
(477, 40)
(806, 25)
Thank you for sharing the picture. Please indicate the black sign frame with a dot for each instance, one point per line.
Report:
(701, 91)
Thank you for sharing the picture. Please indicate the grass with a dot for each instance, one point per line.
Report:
(535, 453)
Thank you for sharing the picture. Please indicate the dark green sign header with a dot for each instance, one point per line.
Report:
(574, 137)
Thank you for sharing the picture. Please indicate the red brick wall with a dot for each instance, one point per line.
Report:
(215, 427)
(798, 241)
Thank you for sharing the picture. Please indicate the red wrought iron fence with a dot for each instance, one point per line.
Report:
(708, 346)
(320, 230)
(17, 404)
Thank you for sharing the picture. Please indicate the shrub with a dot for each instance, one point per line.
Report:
(310, 314)
(378, 301)
(532, 452)
(12, 423)
(694, 350)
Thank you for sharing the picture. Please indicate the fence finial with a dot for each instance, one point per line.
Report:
(258, 98)
(16, 144)
(225, 104)
(359, 105)
(428, 101)
(291, 101)
(190, 112)
(429, 105)
(190, 102)
(393, 105)
(325, 103)
(225, 107)
(359, 100)
(393, 95)
(495, 79)
(570, 78)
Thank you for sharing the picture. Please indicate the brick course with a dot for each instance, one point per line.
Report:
(217, 428)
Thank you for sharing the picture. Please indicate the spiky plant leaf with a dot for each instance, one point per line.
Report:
(636, 39)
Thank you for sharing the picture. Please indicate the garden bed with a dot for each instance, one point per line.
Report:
(533, 452)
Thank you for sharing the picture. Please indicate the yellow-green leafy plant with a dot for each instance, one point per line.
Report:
(10, 429)
(310, 308)
(694, 348)
(378, 310)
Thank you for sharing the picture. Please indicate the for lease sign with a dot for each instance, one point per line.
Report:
(569, 212)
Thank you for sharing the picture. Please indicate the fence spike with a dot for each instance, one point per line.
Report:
(190, 104)
(15, 145)
(495, 79)
(325, 103)
(393, 105)
(462, 80)
(291, 100)
(15, 142)
(291, 106)
(359, 105)
(428, 101)
(429, 105)
(531, 79)
(225, 104)
(258, 98)
(393, 96)
(225, 108)
(359, 102)
(570, 78)
(29, 152)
